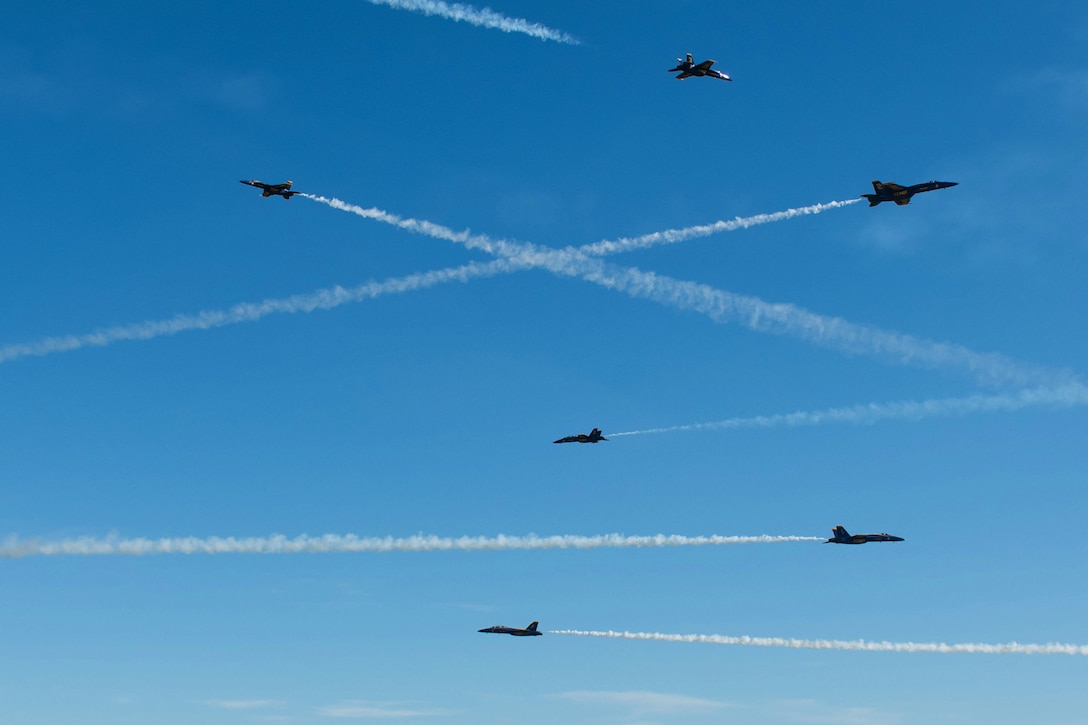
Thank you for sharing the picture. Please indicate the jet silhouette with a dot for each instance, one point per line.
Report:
(842, 537)
(593, 437)
(530, 631)
(273, 189)
(887, 191)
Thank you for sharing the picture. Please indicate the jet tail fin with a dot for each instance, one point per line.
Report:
(532, 626)
(840, 532)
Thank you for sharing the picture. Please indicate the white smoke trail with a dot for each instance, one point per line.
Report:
(723, 306)
(349, 543)
(672, 236)
(322, 299)
(831, 332)
(483, 18)
(859, 645)
(508, 248)
(1066, 396)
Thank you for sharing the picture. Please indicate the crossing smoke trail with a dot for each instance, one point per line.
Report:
(723, 306)
(599, 249)
(322, 299)
(350, 543)
(483, 18)
(514, 256)
(850, 645)
(1066, 396)
(720, 305)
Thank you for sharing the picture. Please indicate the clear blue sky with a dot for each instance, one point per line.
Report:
(126, 130)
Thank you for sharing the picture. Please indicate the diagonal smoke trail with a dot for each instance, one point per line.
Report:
(724, 307)
(348, 543)
(1066, 396)
(672, 236)
(483, 18)
(849, 645)
(508, 248)
(322, 299)
(514, 256)
(835, 333)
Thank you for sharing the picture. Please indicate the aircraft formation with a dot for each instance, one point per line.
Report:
(883, 191)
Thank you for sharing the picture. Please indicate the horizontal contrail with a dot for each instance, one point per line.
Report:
(1066, 396)
(483, 18)
(672, 236)
(349, 543)
(322, 299)
(859, 645)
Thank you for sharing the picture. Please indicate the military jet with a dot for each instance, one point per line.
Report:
(593, 437)
(842, 537)
(687, 69)
(530, 631)
(273, 189)
(887, 191)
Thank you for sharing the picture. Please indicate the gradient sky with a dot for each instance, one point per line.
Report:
(432, 411)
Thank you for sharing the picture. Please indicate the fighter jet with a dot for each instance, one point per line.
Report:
(842, 537)
(593, 437)
(901, 194)
(273, 189)
(530, 631)
(687, 69)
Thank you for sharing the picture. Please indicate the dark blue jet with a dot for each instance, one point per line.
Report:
(530, 631)
(887, 191)
(688, 68)
(593, 437)
(842, 537)
(283, 189)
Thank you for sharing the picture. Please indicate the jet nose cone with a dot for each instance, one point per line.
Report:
(897, 538)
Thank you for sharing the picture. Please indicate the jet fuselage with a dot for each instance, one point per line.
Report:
(530, 631)
(901, 195)
(842, 536)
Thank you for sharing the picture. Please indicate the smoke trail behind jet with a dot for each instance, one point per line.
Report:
(1066, 396)
(322, 299)
(351, 543)
(725, 307)
(830, 332)
(508, 248)
(672, 236)
(859, 645)
(483, 18)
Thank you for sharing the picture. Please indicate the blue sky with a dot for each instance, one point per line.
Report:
(433, 410)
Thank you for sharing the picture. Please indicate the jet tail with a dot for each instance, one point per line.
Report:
(532, 627)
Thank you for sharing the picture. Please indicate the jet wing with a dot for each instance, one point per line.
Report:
(892, 187)
(705, 65)
(685, 74)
